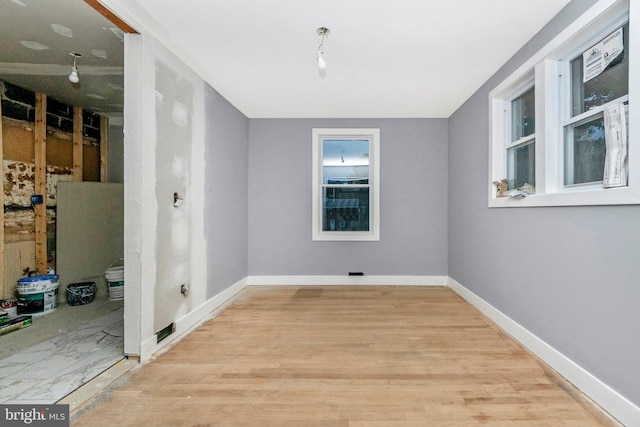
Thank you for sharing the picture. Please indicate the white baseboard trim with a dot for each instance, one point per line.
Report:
(608, 399)
(192, 320)
(347, 280)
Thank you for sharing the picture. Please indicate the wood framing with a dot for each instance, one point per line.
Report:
(40, 148)
(77, 143)
(99, 7)
(104, 149)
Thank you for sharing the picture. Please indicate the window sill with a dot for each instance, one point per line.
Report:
(591, 197)
(350, 236)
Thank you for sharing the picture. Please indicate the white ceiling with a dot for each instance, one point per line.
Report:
(401, 58)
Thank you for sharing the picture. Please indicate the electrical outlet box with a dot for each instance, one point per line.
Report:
(37, 199)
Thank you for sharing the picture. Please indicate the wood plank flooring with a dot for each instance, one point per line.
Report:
(365, 356)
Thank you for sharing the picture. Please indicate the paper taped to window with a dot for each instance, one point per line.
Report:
(615, 134)
(597, 58)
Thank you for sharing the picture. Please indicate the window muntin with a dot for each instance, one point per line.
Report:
(346, 184)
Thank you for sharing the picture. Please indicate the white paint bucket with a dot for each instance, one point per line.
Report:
(115, 280)
(10, 305)
(37, 294)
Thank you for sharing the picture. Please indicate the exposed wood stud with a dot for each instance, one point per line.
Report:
(115, 20)
(77, 143)
(104, 149)
(40, 144)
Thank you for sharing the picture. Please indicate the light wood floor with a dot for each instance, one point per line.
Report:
(345, 356)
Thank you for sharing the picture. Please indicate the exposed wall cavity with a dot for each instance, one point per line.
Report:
(18, 172)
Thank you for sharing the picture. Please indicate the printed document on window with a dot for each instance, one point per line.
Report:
(615, 135)
(597, 58)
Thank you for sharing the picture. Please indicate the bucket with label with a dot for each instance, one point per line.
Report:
(10, 305)
(37, 294)
(115, 279)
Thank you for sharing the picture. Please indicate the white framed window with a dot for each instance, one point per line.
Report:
(346, 184)
(581, 88)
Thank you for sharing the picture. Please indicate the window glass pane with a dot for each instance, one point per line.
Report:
(585, 152)
(611, 84)
(523, 119)
(521, 164)
(345, 161)
(345, 209)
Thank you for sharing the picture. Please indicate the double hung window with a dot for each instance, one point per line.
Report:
(345, 184)
(565, 121)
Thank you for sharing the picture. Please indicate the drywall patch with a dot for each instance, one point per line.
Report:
(33, 45)
(62, 30)
(99, 53)
(179, 114)
(179, 166)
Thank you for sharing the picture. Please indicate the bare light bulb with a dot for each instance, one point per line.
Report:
(73, 77)
(322, 64)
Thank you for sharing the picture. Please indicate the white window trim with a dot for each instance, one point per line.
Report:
(318, 134)
(547, 66)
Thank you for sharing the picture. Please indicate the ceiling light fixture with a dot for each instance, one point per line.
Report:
(73, 76)
(322, 32)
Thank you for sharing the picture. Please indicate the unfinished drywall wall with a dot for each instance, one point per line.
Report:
(90, 232)
(164, 238)
(174, 115)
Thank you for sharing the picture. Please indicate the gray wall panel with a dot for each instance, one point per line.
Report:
(116, 154)
(90, 236)
(570, 275)
(413, 193)
(226, 154)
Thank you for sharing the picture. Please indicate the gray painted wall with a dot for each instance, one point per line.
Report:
(413, 193)
(226, 159)
(570, 275)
